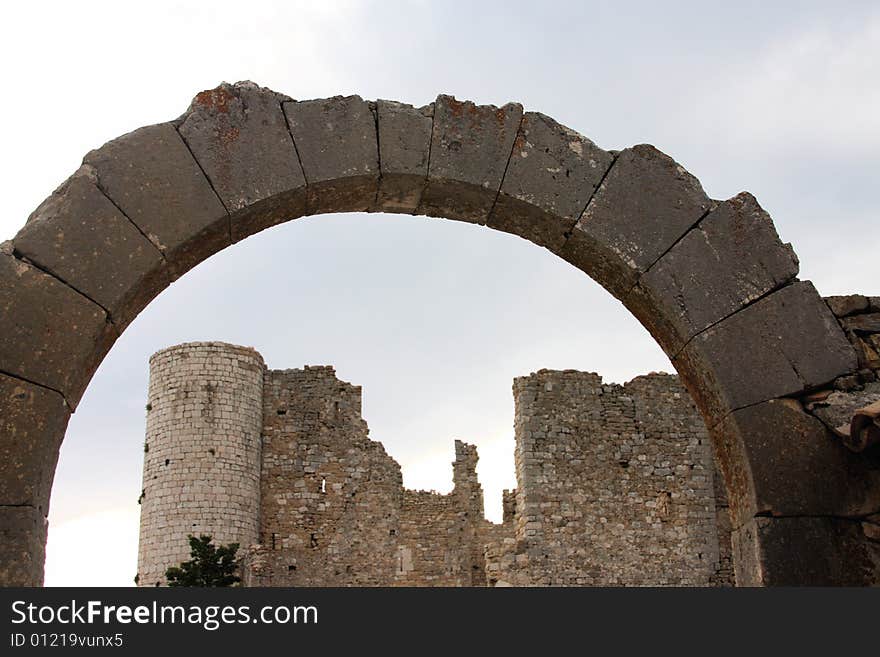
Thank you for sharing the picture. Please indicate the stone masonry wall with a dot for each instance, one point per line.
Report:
(202, 452)
(331, 496)
(615, 486)
(334, 510)
(442, 537)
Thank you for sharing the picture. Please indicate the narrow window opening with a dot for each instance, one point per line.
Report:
(323, 484)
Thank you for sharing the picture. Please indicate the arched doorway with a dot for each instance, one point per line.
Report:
(710, 280)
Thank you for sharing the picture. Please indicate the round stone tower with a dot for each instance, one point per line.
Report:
(202, 452)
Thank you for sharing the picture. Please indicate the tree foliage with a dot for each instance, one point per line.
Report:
(210, 565)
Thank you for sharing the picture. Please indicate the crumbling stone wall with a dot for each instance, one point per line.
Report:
(615, 483)
(615, 486)
(334, 511)
(202, 452)
(443, 537)
(331, 497)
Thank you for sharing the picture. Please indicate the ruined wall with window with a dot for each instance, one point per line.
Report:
(331, 497)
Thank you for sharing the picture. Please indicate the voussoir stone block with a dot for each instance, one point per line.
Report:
(49, 333)
(781, 345)
(336, 141)
(79, 236)
(404, 148)
(866, 323)
(643, 206)
(849, 304)
(732, 258)
(22, 545)
(470, 147)
(152, 177)
(552, 174)
(238, 134)
(778, 460)
(805, 551)
(32, 424)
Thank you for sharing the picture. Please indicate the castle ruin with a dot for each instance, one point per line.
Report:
(616, 484)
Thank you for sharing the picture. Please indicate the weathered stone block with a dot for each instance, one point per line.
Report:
(49, 333)
(847, 305)
(552, 174)
(22, 546)
(868, 323)
(470, 147)
(336, 141)
(785, 343)
(781, 461)
(729, 260)
(238, 134)
(78, 235)
(152, 177)
(404, 148)
(646, 202)
(32, 425)
(799, 551)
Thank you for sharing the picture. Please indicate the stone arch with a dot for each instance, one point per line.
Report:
(709, 279)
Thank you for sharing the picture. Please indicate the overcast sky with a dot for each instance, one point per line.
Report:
(433, 318)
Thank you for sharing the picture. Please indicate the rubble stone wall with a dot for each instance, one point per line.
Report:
(331, 497)
(615, 486)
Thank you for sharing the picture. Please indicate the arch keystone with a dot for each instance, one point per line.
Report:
(336, 141)
(470, 148)
(404, 148)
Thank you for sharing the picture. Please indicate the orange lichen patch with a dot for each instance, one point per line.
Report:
(216, 99)
(229, 134)
(456, 107)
